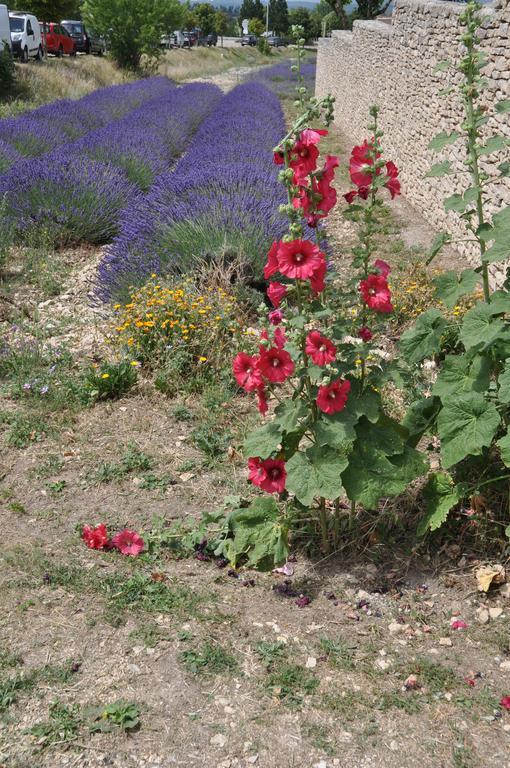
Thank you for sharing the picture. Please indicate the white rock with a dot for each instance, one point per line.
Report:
(218, 740)
(495, 612)
(311, 662)
(445, 641)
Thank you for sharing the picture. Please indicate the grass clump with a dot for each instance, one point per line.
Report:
(290, 683)
(209, 658)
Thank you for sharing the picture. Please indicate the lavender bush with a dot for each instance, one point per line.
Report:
(69, 199)
(220, 199)
(8, 156)
(277, 79)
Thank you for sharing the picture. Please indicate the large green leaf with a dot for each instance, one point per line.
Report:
(479, 327)
(424, 338)
(503, 106)
(385, 435)
(315, 472)
(440, 495)
(455, 203)
(371, 475)
(440, 240)
(450, 286)
(336, 430)
(263, 441)
(466, 424)
(494, 144)
(462, 373)
(504, 446)
(420, 417)
(504, 383)
(289, 413)
(500, 234)
(258, 535)
(442, 140)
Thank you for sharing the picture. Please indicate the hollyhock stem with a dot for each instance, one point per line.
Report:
(471, 70)
(323, 517)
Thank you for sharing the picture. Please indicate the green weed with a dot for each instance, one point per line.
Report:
(121, 714)
(50, 466)
(63, 726)
(148, 634)
(290, 683)
(209, 659)
(337, 652)
(270, 652)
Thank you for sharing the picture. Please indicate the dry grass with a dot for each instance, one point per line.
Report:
(202, 62)
(61, 79)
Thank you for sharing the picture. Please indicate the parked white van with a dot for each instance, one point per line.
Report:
(25, 36)
(5, 30)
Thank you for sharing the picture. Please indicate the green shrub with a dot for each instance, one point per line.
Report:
(7, 74)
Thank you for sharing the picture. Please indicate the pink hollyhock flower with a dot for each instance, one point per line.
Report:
(505, 702)
(280, 338)
(275, 364)
(275, 317)
(363, 192)
(299, 259)
(332, 398)
(128, 542)
(246, 371)
(276, 292)
(382, 267)
(458, 624)
(272, 262)
(278, 157)
(365, 333)
(350, 196)
(320, 349)
(317, 280)
(270, 475)
(376, 293)
(262, 401)
(95, 538)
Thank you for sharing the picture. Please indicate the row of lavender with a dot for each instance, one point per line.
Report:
(277, 78)
(221, 199)
(74, 166)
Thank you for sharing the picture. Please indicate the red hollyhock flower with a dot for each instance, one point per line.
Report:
(360, 163)
(275, 364)
(350, 196)
(332, 398)
(304, 153)
(365, 333)
(262, 401)
(382, 267)
(246, 371)
(376, 293)
(317, 280)
(299, 259)
(272, 261)
(275, 316)
(320, 349)
(128, 542)
(280, 338)
(458, 624)
(505, 702)
(270, 475)
(392, 184)
(278, 157)
(95, 538)
(276, 292)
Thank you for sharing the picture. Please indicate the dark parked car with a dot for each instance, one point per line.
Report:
(85, 39)
(249, 40)
(275, 42)
(211, 39)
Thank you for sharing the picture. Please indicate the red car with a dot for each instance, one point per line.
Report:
(57, 39)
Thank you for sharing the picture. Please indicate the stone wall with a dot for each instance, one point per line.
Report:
(393, 65)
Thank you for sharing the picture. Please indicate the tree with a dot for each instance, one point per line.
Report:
(303, 18)
(338, 6)
(278, 16)
(221, 24)
(369, 9)
(205, 15)
(252, 9)
(133, 28)
(53, 10)
(256, 27)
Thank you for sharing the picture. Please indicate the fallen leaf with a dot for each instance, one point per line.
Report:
(489, 575)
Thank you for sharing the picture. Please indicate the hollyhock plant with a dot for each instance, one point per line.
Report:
(275, 317)
(95, 538)
(128, 542)
(326, 434)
